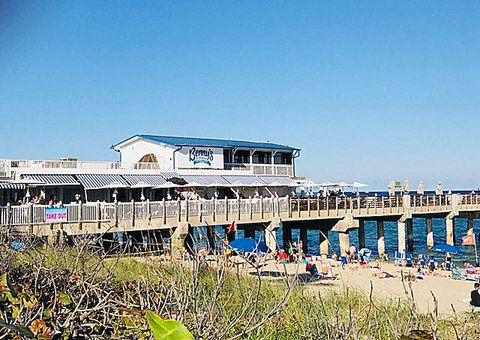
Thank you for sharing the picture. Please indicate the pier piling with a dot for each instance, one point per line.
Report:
(304, 239)
(401, 235)
(324, 243)
(450, 232)
(428, 222)
(380, 237)
(361, 234)
(409, 224)
(344, 240)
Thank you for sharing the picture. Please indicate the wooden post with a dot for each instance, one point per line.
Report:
(80, 215)
(238, 208)
(30, 218)
(179, 210)
(308, 205)
(214, 199)
(187, 209)
(149, 215)
(298, 207)
(318, 205)
(9, 214)
(289, 203)
(97, 215)
(226, 209)
(164, 211)
(200, 207)
(115, 213)
(261, 207)
(250, 210)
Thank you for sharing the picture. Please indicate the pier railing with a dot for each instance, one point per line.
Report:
(237, 209)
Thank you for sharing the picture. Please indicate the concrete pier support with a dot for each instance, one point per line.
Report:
(361, 234)
(401, 235)
(287, 236)
(324, 243)
(344, 240)
(469, 224)
(380, 237)
(211, 239)
(178, 238)
(428, 222)
(450, 230)
(304, 239)
(409, 224)
(271, 233)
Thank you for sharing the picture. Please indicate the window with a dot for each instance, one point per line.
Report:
(283, 158)
(227, 156)
(260, 157)
(241, 156)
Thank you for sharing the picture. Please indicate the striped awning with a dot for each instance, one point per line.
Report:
(244, 181)
(169, 174)
(277, 180)
(145, 180)
(52, 179)
(205, 180)
(102, 181)
(12, 186)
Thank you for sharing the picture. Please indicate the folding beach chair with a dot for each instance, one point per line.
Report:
(409, 260)
(456, 274)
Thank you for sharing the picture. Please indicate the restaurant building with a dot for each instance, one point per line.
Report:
(156, 167)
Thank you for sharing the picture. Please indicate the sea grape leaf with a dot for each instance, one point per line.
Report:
(167, 329)
(64, 298)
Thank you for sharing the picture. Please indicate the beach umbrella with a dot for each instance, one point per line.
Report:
(439, 190)
(421, 189)
(406, 186)
(391, 188)
(249, 245)
(359, 185)
(446, 248)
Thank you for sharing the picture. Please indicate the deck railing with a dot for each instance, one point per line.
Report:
(238, 209)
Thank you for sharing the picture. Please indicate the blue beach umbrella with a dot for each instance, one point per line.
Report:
(446, 248)
(249, 245)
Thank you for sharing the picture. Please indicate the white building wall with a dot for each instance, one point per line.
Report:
(136, 149)
(199, 158)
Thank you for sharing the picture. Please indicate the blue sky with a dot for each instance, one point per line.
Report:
(370, 91)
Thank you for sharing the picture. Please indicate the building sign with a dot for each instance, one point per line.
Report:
(200, 156)
(55, 215)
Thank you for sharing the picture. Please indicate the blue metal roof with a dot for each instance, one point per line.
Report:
(211, 142)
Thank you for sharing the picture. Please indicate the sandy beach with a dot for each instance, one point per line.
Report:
(448, 292)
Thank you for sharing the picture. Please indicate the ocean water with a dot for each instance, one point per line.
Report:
(419, 237)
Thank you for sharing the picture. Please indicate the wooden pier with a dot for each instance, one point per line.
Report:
(340, 214)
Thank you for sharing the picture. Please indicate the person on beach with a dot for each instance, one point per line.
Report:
(475, 295)
(352, 252)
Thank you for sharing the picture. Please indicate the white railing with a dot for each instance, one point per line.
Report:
(262, 169)
(182, 210)
(7, 165)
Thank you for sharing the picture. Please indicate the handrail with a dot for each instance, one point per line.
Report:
(242, 209)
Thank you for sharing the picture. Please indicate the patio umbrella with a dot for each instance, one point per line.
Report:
(249, 245)
(439, 190)
(391, 188)
(446, 248)
(406, 186)
(421, 189)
